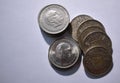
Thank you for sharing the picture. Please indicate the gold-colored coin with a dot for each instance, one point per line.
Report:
(97, 61)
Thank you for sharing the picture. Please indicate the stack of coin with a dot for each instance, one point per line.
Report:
(89, 34)
(95, 44)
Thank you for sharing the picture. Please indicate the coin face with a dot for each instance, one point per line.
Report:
(89, 23)
(64, 53)
(89, 30)
(97, 61)
(53, 19)
(96, 38)
(76, 22)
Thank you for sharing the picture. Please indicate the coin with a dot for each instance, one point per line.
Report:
(89, 30)
(89, 23)
(53, 19)
(96, 38)
(64, 53)
(97, 62)
(76, 22)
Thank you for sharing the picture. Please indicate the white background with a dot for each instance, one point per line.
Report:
(24, 48)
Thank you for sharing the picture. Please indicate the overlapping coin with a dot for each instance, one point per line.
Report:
(88, 33)
(89, 23)
(96, 46)
(64, 53)
(53, 19)
(76, 22)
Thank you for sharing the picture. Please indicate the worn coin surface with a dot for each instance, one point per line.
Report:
(89, 23)
(89, 30)
(64, 53)
(96, 38)
(53, 19)
(97, 61)
(76, 22)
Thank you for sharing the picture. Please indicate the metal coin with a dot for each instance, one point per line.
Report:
(64, 53)
(96, 38)
(89, 23)
(89, 30)
(76, 22)
(97, 61)
(53, 19)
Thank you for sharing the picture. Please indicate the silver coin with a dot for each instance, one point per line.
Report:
(64, 53)
(76, 22)
(53, 19)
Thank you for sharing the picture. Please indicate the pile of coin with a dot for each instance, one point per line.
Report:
(87, 33)
(95, 44)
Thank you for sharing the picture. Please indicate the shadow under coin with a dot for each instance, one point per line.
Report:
(68, 71)
(99, 76)
(49, 38)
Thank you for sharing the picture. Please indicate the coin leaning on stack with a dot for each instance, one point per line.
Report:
(95, 44)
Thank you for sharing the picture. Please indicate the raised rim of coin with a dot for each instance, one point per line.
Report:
(89, 30)
(52, 51)
(89, 23)
(107, 46)
(88, 57)
(93, 32)
(99, 46)
(53, 19)
(76, 22)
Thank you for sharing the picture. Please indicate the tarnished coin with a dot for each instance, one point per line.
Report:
(76, 22)
(97, 62)
(53, 19)
(96, 38)
(89, 30)
(89, 23)
(64, 53)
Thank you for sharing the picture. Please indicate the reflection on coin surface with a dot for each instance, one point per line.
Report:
(64, 53)
(97, 61)
(53, 19)
(76, 22)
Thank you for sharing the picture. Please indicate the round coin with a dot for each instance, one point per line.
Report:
(97, 62)
(53, 19)
(64, 53)
(96, 38)
(76, 22)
